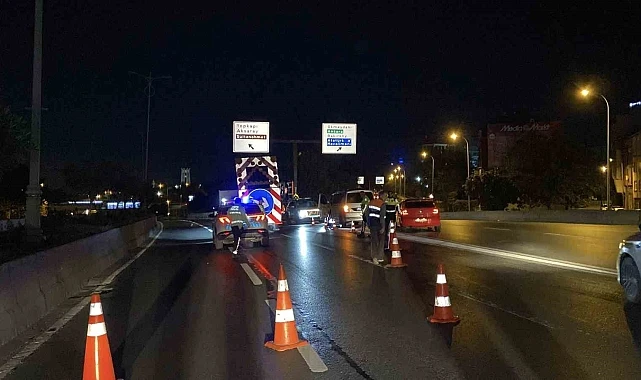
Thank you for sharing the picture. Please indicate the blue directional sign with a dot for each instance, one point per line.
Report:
(339, 142)
(263, 197)
(339, 138)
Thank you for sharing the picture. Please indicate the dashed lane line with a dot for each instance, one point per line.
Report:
(332, 250)
(309, 354)
(251, 274)
(35, 343)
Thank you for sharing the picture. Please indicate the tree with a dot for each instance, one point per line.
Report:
(551, 169)
(14, 140)
(494, 189)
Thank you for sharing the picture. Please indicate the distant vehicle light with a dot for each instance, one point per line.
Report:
(302, 213)
(223, 200)
(191, 198)
(345, 208)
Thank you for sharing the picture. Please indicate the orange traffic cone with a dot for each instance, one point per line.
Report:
(285, 333)
(397, 261)
(98, 362)
(443, 312)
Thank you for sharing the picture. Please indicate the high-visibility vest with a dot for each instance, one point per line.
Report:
(374, 210)
(237, 216)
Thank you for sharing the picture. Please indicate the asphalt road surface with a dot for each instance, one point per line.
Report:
(186, 311)
(590, 244)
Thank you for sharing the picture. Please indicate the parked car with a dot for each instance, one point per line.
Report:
(419, 213)
(604, 207)
(302, 211)
(345, 206)
(256, 232)
(628, 267)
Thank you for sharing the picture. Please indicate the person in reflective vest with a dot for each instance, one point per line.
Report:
(375, 212)
(391, 206)
(239, 220)
(364, 203)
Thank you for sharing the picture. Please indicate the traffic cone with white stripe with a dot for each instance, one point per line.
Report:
(353, 229)
(98, 362)
(285, 333)
(397, 260)
(443, 312)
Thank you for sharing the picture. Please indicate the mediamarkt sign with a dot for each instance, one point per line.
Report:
(501, 137)
(525, 128)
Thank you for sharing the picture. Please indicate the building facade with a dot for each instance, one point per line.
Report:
(501, 137)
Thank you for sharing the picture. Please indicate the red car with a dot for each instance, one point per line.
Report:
(419, 213)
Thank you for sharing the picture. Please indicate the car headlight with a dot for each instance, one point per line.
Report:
(302, 214)
(346, 208)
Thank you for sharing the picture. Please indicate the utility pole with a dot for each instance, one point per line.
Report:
(33, 193)
(150, 92)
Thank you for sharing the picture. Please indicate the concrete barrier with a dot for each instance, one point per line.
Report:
(32, 286)
(622, 217)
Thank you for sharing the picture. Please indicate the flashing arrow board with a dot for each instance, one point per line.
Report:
(251, 137)
(380, 180)
(339, 138)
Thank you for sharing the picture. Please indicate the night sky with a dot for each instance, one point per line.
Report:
(404, 71)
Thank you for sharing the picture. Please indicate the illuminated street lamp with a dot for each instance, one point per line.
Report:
(424, 155)
(604, 169)
(585, 93)
(402, 186)
(454, 136)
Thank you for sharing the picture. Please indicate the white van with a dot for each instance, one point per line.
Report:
(345, 206)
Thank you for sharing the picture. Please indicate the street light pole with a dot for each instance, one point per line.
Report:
(607, 150)
(454, 136)
(585, 92)
(33, 193)
(467, 148)
(149, 90)
(432, 184)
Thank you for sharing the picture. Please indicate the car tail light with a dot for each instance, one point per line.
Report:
(224, 220)
(345, 208)
(404, 212)
(259, 217)
(435, 211)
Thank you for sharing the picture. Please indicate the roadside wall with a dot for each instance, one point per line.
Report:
(622, 217)
(32, 286)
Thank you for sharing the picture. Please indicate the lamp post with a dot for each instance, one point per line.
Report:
(33, 232)
(454, 136)
(402, 182)
(149, 88)
(585, 93)
(424, 155)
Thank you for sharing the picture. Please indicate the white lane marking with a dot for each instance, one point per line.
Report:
(309, 354)
(333, 250)
(513, 255)
(365, 261)
(251, 274)
(497, 229)
(196, 223)
(35, 343)
(314, 362)
(553, 234)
